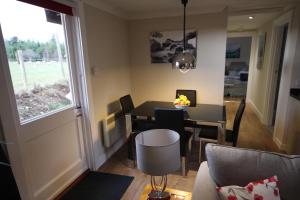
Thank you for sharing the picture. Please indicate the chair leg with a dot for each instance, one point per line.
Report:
(131, 150)
(183, 166)
(134, 163)
(200, 150)
(190, 144)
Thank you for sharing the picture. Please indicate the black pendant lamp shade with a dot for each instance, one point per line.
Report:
(184, 61)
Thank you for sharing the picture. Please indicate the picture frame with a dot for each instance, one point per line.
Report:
(261, 50)
(164, 45)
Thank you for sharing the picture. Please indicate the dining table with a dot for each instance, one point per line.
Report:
(194, 117)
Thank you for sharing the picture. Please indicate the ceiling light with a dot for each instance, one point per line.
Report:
(251, 17)
(184, 61)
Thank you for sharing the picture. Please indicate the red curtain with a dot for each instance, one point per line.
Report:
(51, 5)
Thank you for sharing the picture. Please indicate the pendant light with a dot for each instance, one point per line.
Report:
(184, 61)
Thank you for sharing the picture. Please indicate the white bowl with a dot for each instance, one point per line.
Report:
(181, 107)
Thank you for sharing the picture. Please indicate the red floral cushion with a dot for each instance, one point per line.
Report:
(259, 190)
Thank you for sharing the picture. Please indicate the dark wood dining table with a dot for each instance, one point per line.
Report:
(201, 114)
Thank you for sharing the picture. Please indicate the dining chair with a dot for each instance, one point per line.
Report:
(126, 104)
(190, 94)
(173, 119)
(210, 133)
(136, 124)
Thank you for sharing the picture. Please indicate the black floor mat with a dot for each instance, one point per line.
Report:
(99, 186)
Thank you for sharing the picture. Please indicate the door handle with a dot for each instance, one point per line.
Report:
(77, 110)
(78, 107)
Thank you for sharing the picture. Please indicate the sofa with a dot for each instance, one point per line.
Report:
(234, 166)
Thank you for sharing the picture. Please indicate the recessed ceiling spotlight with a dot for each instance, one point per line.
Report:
(251, 17)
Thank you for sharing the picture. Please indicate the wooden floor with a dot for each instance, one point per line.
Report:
(252, 135)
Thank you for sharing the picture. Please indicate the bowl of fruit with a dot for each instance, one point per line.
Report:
(182, 102)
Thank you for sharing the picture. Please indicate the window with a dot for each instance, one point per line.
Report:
(38, 58)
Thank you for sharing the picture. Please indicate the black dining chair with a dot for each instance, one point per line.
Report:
(173, 119)
(190, 94)
(232, 135)
(126, 104)
(137, 125)
(210, 133)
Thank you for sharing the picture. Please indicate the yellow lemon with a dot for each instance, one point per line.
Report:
(183, 98)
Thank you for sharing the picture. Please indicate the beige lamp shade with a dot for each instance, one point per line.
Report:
(158, 151)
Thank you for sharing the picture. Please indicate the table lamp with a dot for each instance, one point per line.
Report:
(157, 154)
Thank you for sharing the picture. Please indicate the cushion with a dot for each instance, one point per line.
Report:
(259, 190)
(234, 166)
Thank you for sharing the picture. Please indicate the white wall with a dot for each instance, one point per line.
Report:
(287, 128)
(160, 81)
(245, 43)
(258, 88)
(108, 53)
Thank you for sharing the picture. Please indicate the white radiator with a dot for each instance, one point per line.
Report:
(115, 126)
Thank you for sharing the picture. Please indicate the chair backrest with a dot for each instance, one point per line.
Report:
(126, 104)
(237, 121)
(190, 94)
(172, 119)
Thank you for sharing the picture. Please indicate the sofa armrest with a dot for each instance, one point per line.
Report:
(204, 188)
(236, 166)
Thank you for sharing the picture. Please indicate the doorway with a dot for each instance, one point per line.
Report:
(40, 91)
(238, 51)
(278, 71)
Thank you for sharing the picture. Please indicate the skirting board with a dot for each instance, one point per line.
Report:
(279, 144)
(256, 111)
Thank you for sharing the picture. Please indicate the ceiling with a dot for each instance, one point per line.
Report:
(159, 8)
(240, 23)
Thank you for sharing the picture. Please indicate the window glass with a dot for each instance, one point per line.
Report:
(38, 59)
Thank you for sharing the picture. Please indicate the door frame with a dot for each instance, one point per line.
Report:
(253, 56)
(84, 81)
(275, 48)
(11, 126)
(85, 78)
(281, 121)
(11, 122)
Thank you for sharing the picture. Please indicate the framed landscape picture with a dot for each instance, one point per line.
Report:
(165, 45)
(261, 50)
(233, 50)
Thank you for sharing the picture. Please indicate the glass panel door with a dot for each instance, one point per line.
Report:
(38, 59)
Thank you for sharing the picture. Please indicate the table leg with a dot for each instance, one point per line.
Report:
(221, 133)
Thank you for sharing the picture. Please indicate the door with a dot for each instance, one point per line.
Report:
(279, 71)
(39, 82)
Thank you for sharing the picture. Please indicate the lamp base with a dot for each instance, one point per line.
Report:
(158, 195)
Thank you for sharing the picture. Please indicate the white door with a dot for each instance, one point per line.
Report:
(39, 99)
